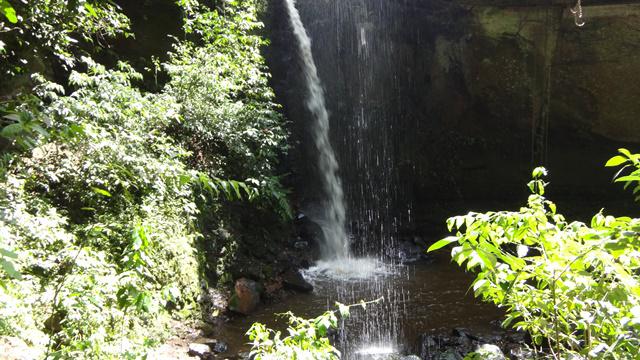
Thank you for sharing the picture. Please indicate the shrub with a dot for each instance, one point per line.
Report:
(307, 339)
(105, 190)
(573, 287)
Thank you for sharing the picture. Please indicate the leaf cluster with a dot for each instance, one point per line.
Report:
(107, 191)
(306, 339)
(629, 173)
(573, 287)
(40, 33)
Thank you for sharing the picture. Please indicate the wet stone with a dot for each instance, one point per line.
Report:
(246, 297)
(217, 346)
(293, 280)
(199, 350)
(461, 342)
(301, 245)
(448, 354)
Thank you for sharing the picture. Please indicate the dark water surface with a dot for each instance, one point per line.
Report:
(426, 296)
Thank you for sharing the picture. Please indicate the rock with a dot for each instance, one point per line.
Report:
(489, 352)
(246, 297)
(305, 263)
(460, 342)
(301, 245)
(214, 304)
(410, 357)
(245, 355)
(308, 230)
(448, 354)
(199, 350)
(410, 252)
(215, 345)
(521, 353)
(293, 280)
(272, 287)
(428, 344)
(219, 346)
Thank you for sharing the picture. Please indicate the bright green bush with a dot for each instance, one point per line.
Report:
(229, 120)
(102, 220)
(37, 33)
(109, 195)
(307, 339)
(630, 178)
(572, 286)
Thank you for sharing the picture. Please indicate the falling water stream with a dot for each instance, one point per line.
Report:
(336, 241)
(365, 133)
(376, 331)
(359, 257)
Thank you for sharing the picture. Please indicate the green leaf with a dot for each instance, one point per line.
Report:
(628, 178)
(11, 130)
(236, 189)
(101, 191)
(9, 268)
(91, 10)
(487, 258)
(616, 161)
(8, 11)
(442, 243)
(8, 253)
(539, 172)
(625, 152)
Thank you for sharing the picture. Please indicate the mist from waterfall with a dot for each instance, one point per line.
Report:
(336, 241)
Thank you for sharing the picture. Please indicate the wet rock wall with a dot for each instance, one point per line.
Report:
(436, 104)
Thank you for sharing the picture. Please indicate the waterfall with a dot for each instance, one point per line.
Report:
(336, 242)
(368, 274)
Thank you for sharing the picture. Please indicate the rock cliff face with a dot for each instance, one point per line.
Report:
(434, 102)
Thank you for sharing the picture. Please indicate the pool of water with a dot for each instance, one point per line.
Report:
(422, 297)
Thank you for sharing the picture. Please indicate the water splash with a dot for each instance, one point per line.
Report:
(336, 243)
(351, 269)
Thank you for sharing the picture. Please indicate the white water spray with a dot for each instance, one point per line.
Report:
(336, 245)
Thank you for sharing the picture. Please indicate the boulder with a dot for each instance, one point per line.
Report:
(199, 350)
(461, 342)
(308, 230)
(299, 245)
(449, 354)
(246, 297)
(293, 280)
(411, 252)
(215, 345)
(218, 346)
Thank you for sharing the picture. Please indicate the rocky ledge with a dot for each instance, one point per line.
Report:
(459, 342)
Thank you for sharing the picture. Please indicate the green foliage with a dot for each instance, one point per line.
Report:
(107, 193)
(8, 11)
(307, 339)
(19, 128)
(630, 162)
(101, 222)
(229, 121)
(37, 31)
(574, 287)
